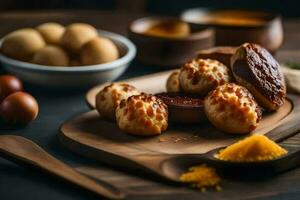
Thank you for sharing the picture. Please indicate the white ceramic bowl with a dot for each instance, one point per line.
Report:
(81, 76)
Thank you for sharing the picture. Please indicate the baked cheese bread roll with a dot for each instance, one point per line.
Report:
(200, 76)
(142, 115)
(110, 96)
(232, 108)
(173, 82)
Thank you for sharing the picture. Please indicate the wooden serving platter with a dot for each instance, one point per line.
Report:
(91, 136)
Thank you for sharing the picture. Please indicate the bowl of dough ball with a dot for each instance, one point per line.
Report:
(76, 55)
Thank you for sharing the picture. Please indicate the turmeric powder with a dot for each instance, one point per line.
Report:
(201, 177)
(251, 149)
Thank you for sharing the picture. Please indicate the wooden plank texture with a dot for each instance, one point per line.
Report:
(138, 185)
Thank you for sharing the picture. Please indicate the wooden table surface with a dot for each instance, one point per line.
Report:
(58, 106)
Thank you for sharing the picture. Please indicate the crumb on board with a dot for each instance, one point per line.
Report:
(176, 139)
(161, 139)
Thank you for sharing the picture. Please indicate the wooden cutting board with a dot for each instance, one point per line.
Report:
(91, 136)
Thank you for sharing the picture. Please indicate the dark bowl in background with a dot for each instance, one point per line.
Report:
(268, 34)
(165, 51)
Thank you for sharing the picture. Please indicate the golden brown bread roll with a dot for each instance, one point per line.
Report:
(110, 96)
(142, 115)
(232, 108)
(200, 76)
(256, 69)
(22, 44)
(173, 82)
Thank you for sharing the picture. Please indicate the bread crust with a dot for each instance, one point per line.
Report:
(256, 69)
(172, 84)
(142, 115)
(110, 97)
(232, 109)
(200, 76)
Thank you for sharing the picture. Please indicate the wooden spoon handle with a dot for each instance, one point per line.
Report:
(24, 151)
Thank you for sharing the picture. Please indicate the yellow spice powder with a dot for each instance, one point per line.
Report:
(253, 148)
(201, 177)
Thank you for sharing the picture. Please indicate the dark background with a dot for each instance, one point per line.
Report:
(288, 8)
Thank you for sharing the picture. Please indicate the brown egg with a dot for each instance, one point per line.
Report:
(99, 50)
(22, 44)
(76, 35)
(19, 107)
(51, 32)
(9, 84)
(51, 55)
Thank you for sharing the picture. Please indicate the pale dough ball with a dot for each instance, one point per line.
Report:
(22, 44)
(51, 32)
(110, 96)
(76, 35)
(173, 82)
(232, 108)
(51, 55)
(142, 115)
(200, 76)
(98, 50)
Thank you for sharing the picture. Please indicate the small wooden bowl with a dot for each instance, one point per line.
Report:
(167, 51)
(220, 53)
(183, 109)
(234, 27)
